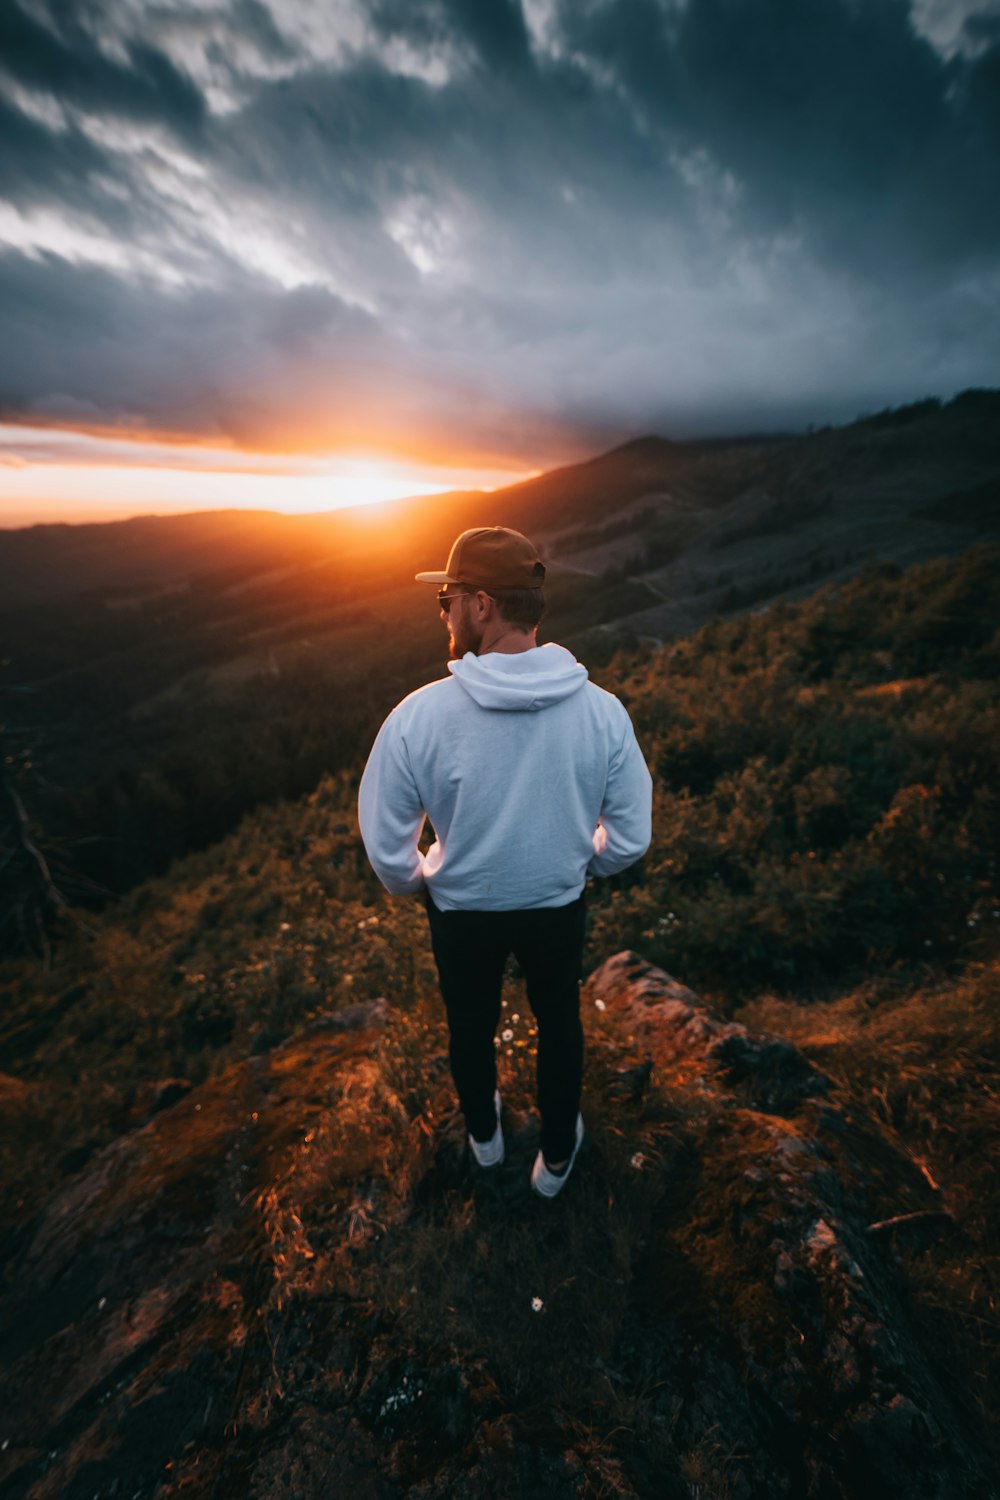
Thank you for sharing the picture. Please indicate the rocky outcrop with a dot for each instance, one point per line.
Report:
(793, 1274)
(290, 1283)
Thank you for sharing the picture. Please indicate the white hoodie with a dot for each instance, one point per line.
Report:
(529, 773)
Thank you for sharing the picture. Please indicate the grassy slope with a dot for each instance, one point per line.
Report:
(818, 768)
(827, 815)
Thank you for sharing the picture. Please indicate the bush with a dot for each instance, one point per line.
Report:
(819, 809)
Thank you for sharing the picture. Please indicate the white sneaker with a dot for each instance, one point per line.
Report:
(490, 1153)
(549, 1183)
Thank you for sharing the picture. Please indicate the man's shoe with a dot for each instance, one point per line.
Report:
(546, 1182)
(490, 1153)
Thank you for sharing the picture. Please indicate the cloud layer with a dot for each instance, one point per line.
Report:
(490, 228)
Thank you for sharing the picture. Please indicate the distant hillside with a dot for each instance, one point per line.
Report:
(675, 512)
(740, 523)
(147, 553)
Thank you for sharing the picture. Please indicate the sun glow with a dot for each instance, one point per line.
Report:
(48, 476)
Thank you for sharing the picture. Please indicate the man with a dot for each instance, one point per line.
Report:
(531, 778)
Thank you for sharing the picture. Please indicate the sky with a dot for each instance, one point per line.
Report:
(301, 253)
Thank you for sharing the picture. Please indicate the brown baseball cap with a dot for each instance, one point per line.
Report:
(491, 557)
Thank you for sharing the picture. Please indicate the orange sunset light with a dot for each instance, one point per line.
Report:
(48, 476)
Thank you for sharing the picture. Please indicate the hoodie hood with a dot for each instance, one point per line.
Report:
(525, 681)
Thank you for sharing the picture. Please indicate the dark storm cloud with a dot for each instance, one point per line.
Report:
(211, 346)
(648, 211)
(835, 119)
(36, 161)
(633, 43)
(253, 18)
(982, 27)
(63, 59)
(498, 156)
(493, 30)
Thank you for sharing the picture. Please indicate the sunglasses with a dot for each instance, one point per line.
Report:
(447, 600)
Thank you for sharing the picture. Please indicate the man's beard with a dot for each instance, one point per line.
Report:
(463, 637)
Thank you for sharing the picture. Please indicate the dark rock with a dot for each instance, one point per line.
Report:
(167, 1093)
(632, 1083)
(76, 1159)
(776, 1075)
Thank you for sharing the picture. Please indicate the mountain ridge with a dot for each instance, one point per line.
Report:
(48, 561)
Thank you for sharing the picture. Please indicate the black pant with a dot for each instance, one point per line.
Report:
(471, 949)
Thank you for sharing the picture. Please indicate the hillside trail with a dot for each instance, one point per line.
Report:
(291, 1283)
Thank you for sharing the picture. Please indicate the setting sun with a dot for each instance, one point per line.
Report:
(48, 476)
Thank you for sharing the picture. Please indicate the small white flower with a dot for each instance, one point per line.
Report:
(638, 1161)
(507, 1034)
(600, 1004)
(537, 1304)
(515, 1017)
